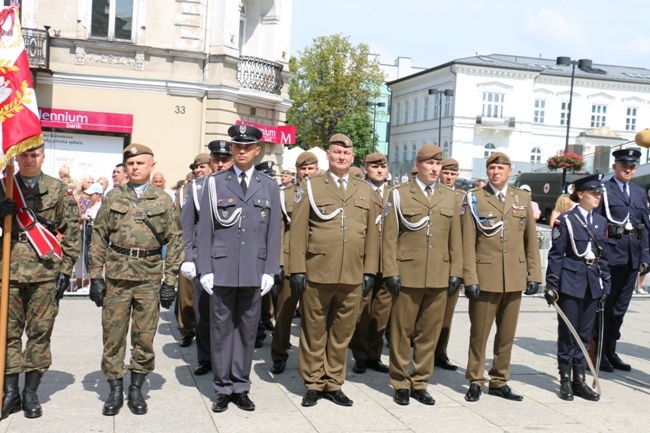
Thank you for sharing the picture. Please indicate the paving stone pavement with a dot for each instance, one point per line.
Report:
(73, 391)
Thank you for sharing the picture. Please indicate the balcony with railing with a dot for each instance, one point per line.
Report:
(37, 46)
(259, 74)
(495, 122)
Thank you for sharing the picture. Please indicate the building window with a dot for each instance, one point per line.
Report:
(447, 106)
(489, 149)
(493, 104)
(405, 156)
(112, 19)
(415, 109)
(242, 26)
(445, 150)
(630, 119)
(396, 157)
(564, 113)
(598, 115)
(414, 152)
(536, 155)
(407, 105)
(540, 110)
(398, 113)
(436, 106)
(427, 100)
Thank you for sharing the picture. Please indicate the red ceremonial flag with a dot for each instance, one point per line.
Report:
(21, 127)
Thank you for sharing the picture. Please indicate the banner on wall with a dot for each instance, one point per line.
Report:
(274, 134)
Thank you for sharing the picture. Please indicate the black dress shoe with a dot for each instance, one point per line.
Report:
(311, 398)
(423, 396)
(377, 365)
(473, 393)
(278, 367)
(203, 368)
(186, 341)
(338, 397)
(220, 403)
(401, 397)
(605, 365)
(269, 326)
(444, 364)
(259, 342)
(505, 392)
(617, 363)
(242, 401)
(359, 367)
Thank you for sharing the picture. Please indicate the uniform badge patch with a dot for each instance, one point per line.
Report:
(386, 211)
(297, 197)
(70, 191)
(263, 214)
(231, 200)
(555, 233)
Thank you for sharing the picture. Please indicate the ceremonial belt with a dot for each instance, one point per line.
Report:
(137, 253)
(44, 242)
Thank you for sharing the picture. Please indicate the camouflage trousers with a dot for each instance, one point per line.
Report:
(137, 302)
(32, 309)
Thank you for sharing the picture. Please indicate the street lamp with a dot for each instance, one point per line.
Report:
(582, 64)
(374, 106)
(448, 93)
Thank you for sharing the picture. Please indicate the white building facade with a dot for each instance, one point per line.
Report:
(516, 105)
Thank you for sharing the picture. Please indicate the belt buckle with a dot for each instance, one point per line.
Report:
(134, 253)
(22, 237)
(590, 262)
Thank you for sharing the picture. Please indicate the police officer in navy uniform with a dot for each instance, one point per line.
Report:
(577, 277)
(625, 206)
(238, 254)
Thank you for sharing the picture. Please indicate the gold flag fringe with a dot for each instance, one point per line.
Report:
(19, 148)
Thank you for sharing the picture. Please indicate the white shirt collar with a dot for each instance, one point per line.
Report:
(336, 178)
(424, 185)
(249, 173)
(622, 186)
(497, 191)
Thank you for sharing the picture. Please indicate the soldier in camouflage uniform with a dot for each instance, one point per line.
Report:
(133, 223)
(36, 284)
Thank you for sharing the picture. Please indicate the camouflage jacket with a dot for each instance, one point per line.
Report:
(52, 200)
(121, 224)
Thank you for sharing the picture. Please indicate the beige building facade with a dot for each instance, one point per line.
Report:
(171, 74)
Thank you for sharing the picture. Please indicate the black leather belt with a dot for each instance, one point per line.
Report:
(136, 252)
(19, 237)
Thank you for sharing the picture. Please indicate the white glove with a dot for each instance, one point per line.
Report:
(188, 270)
(267, 283)
(207, 282)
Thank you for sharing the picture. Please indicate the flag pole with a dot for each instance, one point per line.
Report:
(4, 287)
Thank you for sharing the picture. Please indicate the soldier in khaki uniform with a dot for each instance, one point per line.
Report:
(306, 165)
(132, 225)
(368, 339)
(501, 259)
(448, 178)
(37, 278)
(332, 254)
(422, 264)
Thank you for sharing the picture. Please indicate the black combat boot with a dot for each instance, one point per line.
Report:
(566, 392)
(31, 406)
(613, 358)
(136, 401)
(580, 388)
(11, 401)
(115, 399)
(604, 362)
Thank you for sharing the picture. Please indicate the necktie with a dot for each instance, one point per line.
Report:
(590, 220)
(429, 193)
(502, 197)
(342, 186)
(29, 183)
(626, 191)
(244, 187)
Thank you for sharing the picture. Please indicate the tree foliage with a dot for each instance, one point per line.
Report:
(332, 83)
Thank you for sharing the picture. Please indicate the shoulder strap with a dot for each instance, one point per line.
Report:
(148, 224)
(591, 235)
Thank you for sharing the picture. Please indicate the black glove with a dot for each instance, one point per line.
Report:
(298, 283)
(167, 295)
(454, 285)
(551, 296)
(643, 269)
(472, 291)
(97, 291)
(7, 207)
(62, 284)
(393, 284)
(531, 288)
(279, 277)
(368, 284)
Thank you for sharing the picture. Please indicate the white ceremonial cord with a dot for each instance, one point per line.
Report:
(181, 197)
(195, 195)
(378, 219)
(584, 255)
(321, 215)
(212, 196)
(609, 215)
(283, 205)
(400, 217)
(497, 228)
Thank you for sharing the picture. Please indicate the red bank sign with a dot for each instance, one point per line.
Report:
(85, 120)
(275, 134)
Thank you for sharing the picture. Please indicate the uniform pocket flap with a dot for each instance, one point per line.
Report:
(404, 256)
(155, 210)
(316, 249)
(262, 254)
(218, 252)
(411, 211)
(447, 212)
(519, 213)
(483, 259)
(572, 265)
(119, 207)
(262, 202)
(363, 204)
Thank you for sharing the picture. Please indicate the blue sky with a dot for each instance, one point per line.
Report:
(434, 32)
